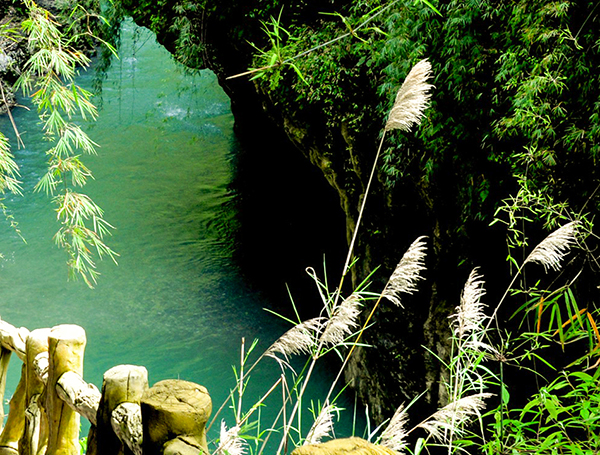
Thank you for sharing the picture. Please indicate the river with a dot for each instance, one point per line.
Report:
(168, 177)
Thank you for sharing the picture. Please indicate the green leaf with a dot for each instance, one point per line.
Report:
(419, 446)
(504, 394)
(551, 408)
(433, 8)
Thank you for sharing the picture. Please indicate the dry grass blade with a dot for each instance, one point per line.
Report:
(553, 248)
(393, 437)
(407, 273)
(412, 99)
(322, 426)
(469, 314)
(342, 322)
(230, 442)
(300, 338)
(450, 419)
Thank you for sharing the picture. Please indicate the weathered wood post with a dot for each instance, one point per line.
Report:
(13, 430)
(174, 414)
(4, 361)
(119, 415)
(35, 435)
(66, 345)
(13, 339)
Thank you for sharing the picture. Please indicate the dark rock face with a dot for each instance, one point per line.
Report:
(12, 57)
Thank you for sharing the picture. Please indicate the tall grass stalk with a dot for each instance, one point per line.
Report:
(408, 110)
(406, 274)
(337, 326)
(410, 103)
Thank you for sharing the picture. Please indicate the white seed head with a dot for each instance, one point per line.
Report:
(407, 272)
(322, 426)
(412, 99)
(230, 442)
(451, 418)
(469, 314)
(553, 248)
(301, 338)
(393, 437)
(342, 322)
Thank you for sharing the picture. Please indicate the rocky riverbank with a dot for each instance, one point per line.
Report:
(13, 56)
(13, 48)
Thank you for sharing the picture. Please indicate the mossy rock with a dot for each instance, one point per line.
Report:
(350, 446)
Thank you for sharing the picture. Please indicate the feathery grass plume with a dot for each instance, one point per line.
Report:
(450, 419)
(393, 437)
(553, 248)
(469, 314)
(230, 442)
(342, 322)
(322, 426)
(412, 98)
(300, 338)
(407, 273)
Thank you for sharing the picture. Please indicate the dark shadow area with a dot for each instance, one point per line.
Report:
(289, 218)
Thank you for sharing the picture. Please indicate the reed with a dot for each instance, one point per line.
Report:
(338, 329)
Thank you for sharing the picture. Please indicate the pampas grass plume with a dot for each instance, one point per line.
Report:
(453, 416)
(553, 248)
(407, 272)
(301, 338)
(342, 322)
(321, 427)
(230, 442)
(469, 314)
(412, 99)
(393, 437)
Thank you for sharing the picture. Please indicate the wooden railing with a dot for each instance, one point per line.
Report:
(126, 418)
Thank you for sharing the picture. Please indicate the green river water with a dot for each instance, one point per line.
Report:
(179, 302)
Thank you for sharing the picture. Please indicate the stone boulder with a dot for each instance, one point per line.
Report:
(345, 446)
(174, 414)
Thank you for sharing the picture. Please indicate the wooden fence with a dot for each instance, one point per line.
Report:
(127, 417)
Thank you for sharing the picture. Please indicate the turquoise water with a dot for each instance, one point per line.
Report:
(180, 301)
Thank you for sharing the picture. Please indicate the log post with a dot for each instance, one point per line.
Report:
(119, 429)
(4, 361)
(11, 340)
(174, 414)
(66, 345)
(15, 423)
(35, 435)
(79, 395)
